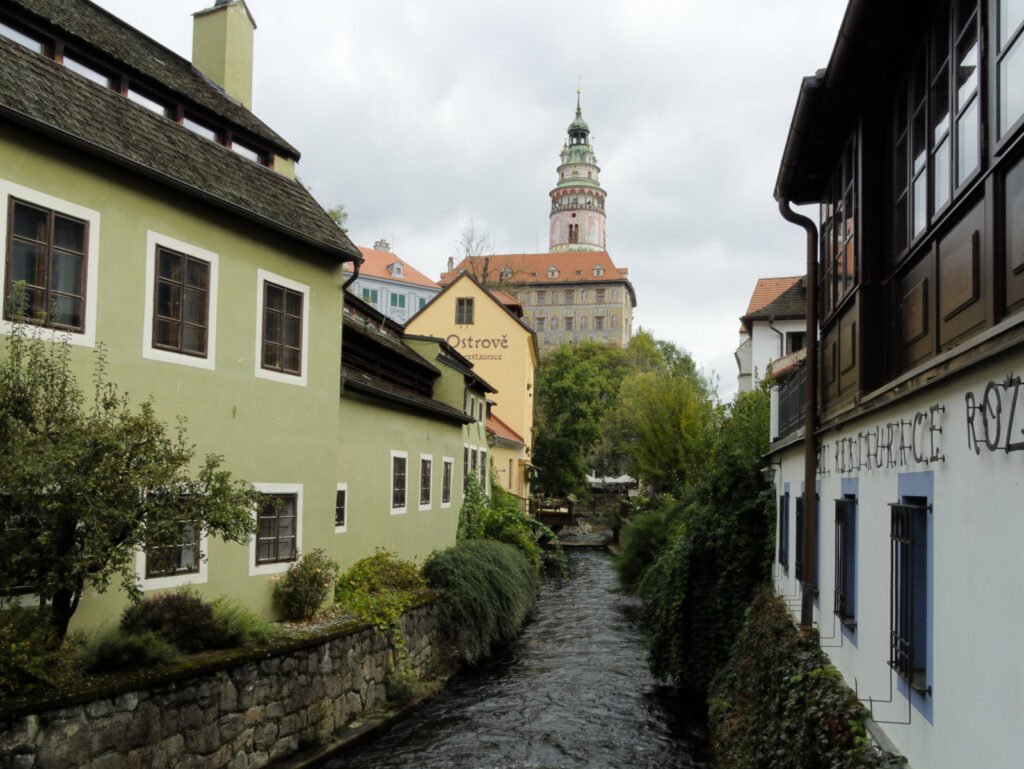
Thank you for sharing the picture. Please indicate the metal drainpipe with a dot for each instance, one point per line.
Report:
(356, 263)
(811, 419)
(782, 337)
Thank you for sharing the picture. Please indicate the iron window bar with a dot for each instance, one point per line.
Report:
(902, 642)
(842, 605)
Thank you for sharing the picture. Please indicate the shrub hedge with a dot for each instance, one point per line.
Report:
(779, 704)
(489, 588)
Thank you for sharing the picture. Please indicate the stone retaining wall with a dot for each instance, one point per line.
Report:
(241, 715)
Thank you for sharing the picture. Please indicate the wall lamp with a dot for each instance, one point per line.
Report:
(768, 472)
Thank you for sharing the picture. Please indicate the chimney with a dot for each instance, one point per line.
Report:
(382, 245)
(222, 47)
(451, 263)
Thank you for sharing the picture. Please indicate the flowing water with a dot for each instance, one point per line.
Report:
(572, 693)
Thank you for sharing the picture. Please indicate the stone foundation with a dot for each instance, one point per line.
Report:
(241, 714)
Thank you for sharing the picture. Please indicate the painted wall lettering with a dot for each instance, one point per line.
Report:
(993, 419)
(897, 444)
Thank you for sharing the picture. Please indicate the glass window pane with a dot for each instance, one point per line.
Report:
(1011, 86)
(967, 69)
(920, 204)
(193, 339)
(942, 162)
(272, 356)
(66, 311)
(1011, 14)
(66, 276)
(967, 135)
(290, 360)
(901, 166)
(940, 107)
(85, 70)
(292, 331)
(275, 297)
(199, 128)
(169, 265)
(68, 235)
(28, 263)
(150, 104)
(195, 310)
(271, 327)
(266, 550)
(920, 143)
(166, 334)
(20, 37)
(1015, 216)
(293, 304)
(168, 300)
(197, 274)
(29, 222)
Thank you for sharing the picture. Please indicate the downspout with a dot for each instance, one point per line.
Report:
(782, 337)
(810, 570)
(355, 274)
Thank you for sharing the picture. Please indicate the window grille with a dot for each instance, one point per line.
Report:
(845, 562)
(908, 584)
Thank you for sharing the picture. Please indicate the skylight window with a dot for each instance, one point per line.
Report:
(87, 71)
(151, 104)
(20, 37)
(198, 128)
(246, 152)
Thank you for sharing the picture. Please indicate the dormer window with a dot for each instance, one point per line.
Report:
(552, 271)
(506, 273)
(146, 101)
(32, 43)
(396, 270)
(598, 271)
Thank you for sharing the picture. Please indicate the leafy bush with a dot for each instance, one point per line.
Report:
(489, 588)
(29, 656)
(695, 593)
(642, 539)
(239, 626)
(379, 573)
(500, 517)
(183, 618)
(121, 650)
(779, 704)
(306, 585)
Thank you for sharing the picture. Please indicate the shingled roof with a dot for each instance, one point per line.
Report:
(45, 97)
(791, 304)
(106, 37)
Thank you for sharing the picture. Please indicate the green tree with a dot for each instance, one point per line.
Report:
(339, 215)
(575, 386)
(83, 487)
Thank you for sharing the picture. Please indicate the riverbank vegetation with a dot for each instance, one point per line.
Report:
(779, 704)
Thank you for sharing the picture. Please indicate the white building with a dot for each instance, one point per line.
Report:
(912, 142)
(390, 285)
(772, 327)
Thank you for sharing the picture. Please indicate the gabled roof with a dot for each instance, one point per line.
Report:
(376, 263)
(532, 269)
(500, 430)
(47, 98)
(767, 290)
(107, 37)
(790, 304)
(478, 284)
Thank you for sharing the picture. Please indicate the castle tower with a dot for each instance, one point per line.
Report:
(577, 201)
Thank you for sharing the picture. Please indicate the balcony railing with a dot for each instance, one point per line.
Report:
(792, 399)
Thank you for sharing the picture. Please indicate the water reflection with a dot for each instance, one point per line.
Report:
(573, 693)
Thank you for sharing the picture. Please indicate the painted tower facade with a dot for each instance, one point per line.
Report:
(577, 201)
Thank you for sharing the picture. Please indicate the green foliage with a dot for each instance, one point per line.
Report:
(86, 487)
(183, 618)
(29, 659)
(339, 215)
(779, 704)
(642, 540)
(119, 650)
(380, 589)
(489, 589)
(239, 626)
(500, 517)
(695, 592)
(306, 585)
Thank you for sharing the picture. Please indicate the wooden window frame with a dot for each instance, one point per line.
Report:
(464, 311)
(282, 499)
(341, 508)
(183, 286)
(447, 469)
(279, 344)
(49, 247)
(426, 481)
(399, 482)
(175, 552)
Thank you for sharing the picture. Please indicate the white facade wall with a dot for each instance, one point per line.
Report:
(975, 589)
(761, 347)
(385, 288)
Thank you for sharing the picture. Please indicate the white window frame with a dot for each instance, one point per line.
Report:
(8, 190)
(257, 570)
(156, 240)
(419, 482)
(344, 527)
(450, 463)
(391, 481)
(174, 580)
(263, 276)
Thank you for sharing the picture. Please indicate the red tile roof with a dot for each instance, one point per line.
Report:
(502, 430)
(376, 266)
(573, 267)
(766, 291)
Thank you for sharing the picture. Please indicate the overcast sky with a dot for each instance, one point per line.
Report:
(418, 115)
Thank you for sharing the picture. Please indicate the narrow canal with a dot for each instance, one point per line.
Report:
(573, 693)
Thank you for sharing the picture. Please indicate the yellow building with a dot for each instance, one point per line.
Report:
(492, 335)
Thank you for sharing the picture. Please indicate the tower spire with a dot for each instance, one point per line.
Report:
(577, 201)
